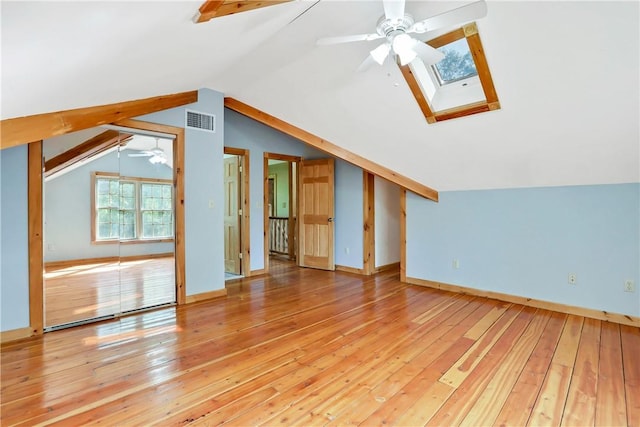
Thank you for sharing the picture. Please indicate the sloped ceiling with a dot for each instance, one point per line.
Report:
(566, 75)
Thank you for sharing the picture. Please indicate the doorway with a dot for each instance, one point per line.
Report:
(280, 209)
(236, 211)
(110, 224)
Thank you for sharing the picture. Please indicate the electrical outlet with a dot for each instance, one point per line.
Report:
(347, 250)
(629, 286)
(456, 263)
(572, 279)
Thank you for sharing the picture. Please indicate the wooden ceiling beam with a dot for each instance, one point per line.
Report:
(216, 8)
(330, 148)
(88, 148)
(23, 130)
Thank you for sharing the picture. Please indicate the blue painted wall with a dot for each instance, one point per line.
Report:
(526, 241)
(204, 252)
(243, 132)
(14, 239)
(349, 227)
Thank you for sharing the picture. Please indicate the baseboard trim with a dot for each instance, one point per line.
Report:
(256, 272)
(622, 319)
(346, 269)
(84, 261)
(15, 334)
(219, 293)
(387, 267)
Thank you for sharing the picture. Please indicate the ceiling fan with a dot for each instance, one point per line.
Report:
(156, 155)
(396, 27)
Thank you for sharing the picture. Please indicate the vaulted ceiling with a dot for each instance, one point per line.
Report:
(566, 73)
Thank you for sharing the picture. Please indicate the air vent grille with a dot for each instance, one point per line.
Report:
(201, 121)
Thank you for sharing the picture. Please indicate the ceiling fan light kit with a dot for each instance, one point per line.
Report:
(396, 26)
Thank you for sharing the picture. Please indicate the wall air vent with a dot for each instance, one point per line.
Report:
(201, 121)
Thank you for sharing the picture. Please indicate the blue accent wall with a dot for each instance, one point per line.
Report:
(349, 227)
(525, 242)
(14, 239)
(204, 192)
(246, 133)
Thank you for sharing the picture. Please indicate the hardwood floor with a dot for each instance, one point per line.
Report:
(309, 347)
(78, 292)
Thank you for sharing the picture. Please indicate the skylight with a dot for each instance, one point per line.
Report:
(457, 63)
(460, 84)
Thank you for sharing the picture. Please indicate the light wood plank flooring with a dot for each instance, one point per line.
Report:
(78, 292)
(308, 347)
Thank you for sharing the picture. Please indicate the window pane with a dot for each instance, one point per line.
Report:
(127, 231)
(115, 229)
(114, 201)
(166, 191)
(147, 230)
(127, 203)
(128, 189)
(103, 200)
(457, 63)
(104, 231)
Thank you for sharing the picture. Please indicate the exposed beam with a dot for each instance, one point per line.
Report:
(89, 148)
(36, 233)
(23, 130)
(216, 8)
(330, 148)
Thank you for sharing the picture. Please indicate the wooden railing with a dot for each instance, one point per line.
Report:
(279, 235)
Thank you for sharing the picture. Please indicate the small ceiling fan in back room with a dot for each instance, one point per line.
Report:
(397, 26)
(156, 155)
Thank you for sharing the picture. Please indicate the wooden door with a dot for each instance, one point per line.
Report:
(232, 215)
(316, 214)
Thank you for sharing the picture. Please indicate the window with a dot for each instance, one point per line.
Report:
(460, 84)
(131, 209)
(157, 210)
(457, 63)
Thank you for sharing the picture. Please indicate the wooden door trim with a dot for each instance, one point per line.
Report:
(245, 218)
(369, 223)
(403, 235)
(36, 253)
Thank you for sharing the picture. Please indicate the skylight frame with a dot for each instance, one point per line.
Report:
(490, 102)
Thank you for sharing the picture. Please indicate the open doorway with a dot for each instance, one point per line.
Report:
(280, 209)
(236, 233)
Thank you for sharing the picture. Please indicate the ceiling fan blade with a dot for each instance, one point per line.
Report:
(348, 39)
(428, 54)
(393, 9)
(366, 64)
(377, 56)
(141, 155)
(460, 15)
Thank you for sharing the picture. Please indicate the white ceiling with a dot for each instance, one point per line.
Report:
(566, 73)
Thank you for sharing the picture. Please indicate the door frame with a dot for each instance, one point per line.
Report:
(265, 204)
(36, 227)
(245, 235)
